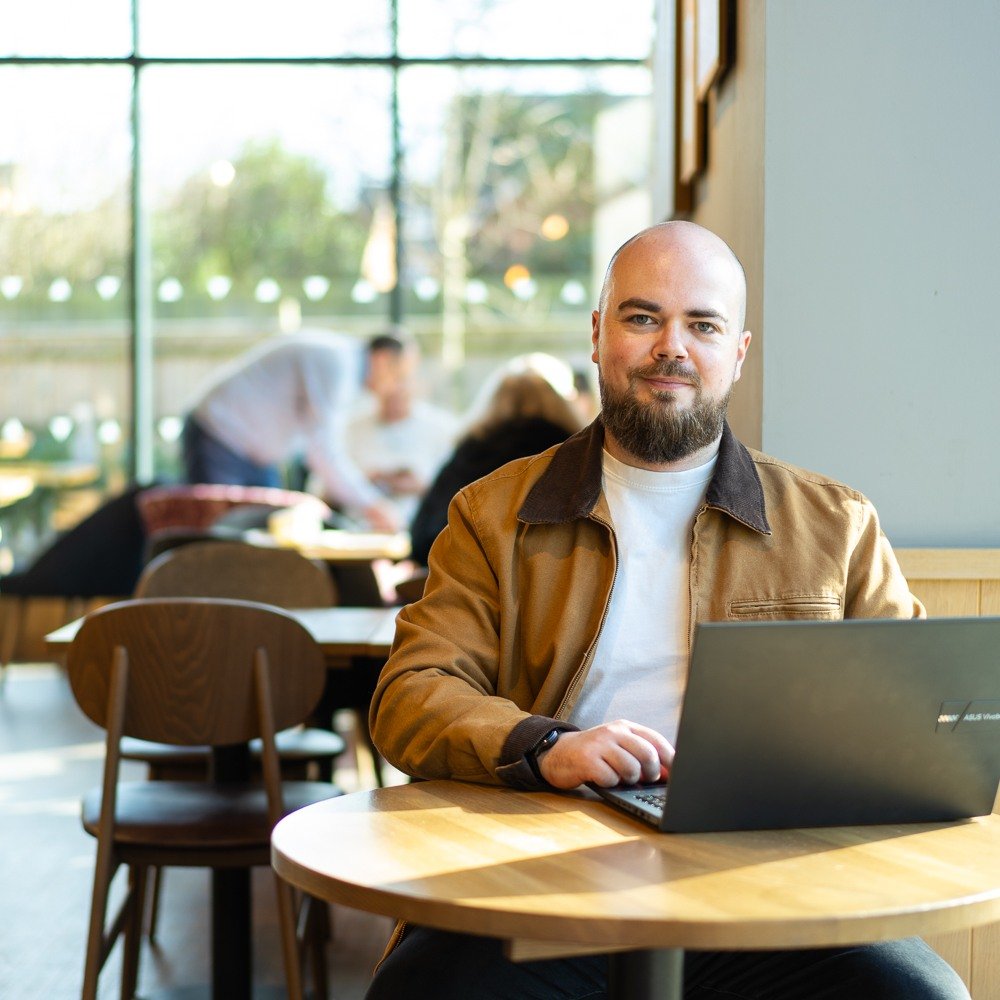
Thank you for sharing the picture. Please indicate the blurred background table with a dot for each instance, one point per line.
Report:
(361, 562)
(342, 633)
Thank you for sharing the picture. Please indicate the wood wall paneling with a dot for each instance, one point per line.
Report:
(948, 598)
(985, 975)
(990, 601)
(956, 949)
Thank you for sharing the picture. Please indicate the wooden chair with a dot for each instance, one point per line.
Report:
(244, 572)
(192, 672)
(216, 568)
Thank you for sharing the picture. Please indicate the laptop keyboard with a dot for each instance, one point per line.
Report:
(656, 799)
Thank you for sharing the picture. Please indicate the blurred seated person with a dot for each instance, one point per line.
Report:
(291, 394)
(586, 400)
(524, 408)
(400, 440)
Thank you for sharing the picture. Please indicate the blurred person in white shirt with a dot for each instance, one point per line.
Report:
(291, 396)
(399, 439)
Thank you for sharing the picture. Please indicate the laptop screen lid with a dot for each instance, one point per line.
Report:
(795, 724)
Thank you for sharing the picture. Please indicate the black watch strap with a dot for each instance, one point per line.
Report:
(545, 743)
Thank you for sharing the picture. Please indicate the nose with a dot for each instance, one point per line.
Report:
(671, 343)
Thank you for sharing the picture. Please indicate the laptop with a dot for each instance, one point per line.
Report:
(804, 724)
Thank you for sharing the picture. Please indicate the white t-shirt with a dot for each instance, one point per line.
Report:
(640, 664)
(420, 443)
(290, 394)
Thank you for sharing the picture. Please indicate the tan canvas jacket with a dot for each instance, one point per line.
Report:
(496, 652)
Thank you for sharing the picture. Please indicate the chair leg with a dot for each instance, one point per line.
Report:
(289, 939)
(154, 903)
(317, 936)
(104, 871)
(133, 930)
(327, 910)
(366, 735)
(313, 931)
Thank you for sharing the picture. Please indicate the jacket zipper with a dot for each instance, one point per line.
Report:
(588, 656)
(694, 546)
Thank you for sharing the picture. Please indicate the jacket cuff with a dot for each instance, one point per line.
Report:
(514, 769)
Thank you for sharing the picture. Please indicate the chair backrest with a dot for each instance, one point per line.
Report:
(191, 668)
(240, 571)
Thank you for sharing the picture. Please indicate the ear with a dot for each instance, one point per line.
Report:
(741, 353)
(595, 329)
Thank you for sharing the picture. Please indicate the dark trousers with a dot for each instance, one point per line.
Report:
(447, 966)
(207, 460)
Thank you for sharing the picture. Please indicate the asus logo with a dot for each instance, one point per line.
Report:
(956, 714)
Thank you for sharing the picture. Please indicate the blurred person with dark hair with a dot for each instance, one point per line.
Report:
(398, 438)
(289, 396)
(525, 407)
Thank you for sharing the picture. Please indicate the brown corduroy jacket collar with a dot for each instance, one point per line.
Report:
(570, 487)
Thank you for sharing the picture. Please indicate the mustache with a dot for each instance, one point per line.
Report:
(668, 369)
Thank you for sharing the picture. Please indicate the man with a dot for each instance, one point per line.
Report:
(401, 440)
(563, 595)
(289, 394)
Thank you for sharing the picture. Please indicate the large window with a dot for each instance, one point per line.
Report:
(180, 180)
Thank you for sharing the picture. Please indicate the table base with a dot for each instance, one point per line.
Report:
(647, 974)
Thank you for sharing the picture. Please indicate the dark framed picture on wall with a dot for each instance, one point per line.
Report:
(709, 22)
(688, 132)
(704, 43)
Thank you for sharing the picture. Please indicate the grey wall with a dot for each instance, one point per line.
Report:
(881, 262)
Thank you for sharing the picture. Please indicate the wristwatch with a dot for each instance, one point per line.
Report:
(547, 742)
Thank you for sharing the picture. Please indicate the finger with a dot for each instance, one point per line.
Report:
(633, 758)
(575, 759)
(646, 759)
(663, 748)
(632, 762)
(604, 775)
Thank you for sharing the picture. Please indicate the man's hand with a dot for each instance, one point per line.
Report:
(614, 753)
(381, 516)
(400, 482)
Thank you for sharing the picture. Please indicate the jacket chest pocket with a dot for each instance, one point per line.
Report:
(788, 606)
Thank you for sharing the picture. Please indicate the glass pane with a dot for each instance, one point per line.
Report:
(519, 185)
(101, 28)
(245, 28)
(64, 179)
(527, 29)
(267, 194)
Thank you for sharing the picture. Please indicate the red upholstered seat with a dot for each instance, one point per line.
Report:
(199, 505)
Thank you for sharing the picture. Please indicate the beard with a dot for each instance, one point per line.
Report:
(658, 432)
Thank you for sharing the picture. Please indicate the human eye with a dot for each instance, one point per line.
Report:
(640, 319)
(704, 326)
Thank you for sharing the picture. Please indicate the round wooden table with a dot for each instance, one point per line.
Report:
(559, 874)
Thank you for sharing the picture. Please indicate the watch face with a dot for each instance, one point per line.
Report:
(547, 741)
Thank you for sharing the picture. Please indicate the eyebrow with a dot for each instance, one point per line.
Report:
(644, 304)
(707, 314)
(647, 305)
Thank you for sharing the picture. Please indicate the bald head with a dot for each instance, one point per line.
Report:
(686, 239)
(669, 345)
